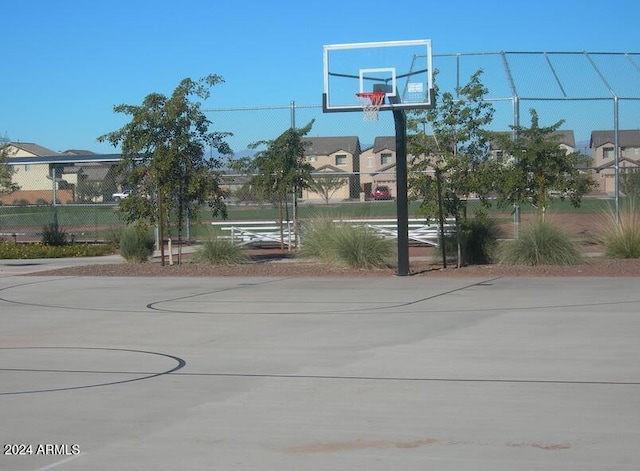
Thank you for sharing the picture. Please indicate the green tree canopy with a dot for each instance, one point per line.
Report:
(281, 169)
(452, 139)
(531, 166)
(6, 173)
(326, 184)
(630, 182)
(163, 155)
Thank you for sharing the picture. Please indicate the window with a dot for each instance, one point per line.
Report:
(26, 167)
(607, 153)
(385, 159)
(313, 158)
(629, 151)
(341, 160)
(369, 162)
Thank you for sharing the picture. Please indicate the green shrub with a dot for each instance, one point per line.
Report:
(355, 246)
(53, 235)
(136, 244)
(480, 240)
(622, 239)
(219, 252)
(542, 243)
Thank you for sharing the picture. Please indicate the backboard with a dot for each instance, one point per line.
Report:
(400, 69)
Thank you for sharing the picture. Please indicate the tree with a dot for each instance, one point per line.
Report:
(6, 173)
(630, 182)
(532, 166)
(163, 157)
(327, 183)
(87, 191)
(457, 149)
(281, 169)
(450, 164)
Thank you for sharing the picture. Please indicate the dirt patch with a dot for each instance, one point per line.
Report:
(334, 447)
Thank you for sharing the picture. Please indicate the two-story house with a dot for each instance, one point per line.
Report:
(34, 180)
(603, 154)
(378, 165)
(73, 175)
(338, 157)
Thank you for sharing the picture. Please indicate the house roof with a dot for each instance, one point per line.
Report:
(566, 137)
(385, 168)
(328, 169)
(330, 145)
(64, 159)
(611, 163)
(626, 138)
(384, 142)
(78, 152)
(32, 148)
(95, 172)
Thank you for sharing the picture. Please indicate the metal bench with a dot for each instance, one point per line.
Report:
(260, 233)
(419, 232)
(267, 233)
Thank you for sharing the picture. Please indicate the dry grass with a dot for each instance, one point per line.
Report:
(621, 238)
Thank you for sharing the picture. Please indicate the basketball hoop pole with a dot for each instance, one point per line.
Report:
(402, 200)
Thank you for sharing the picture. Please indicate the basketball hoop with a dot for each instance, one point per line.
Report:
(371, 103)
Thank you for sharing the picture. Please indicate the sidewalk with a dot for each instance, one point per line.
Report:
(13, 267)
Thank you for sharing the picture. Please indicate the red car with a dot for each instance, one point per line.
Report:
(381, 193)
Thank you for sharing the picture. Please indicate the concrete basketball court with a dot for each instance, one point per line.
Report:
(399, 373)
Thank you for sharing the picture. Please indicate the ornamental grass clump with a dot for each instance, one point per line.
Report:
(53, 235)
(136, 243)
(216, 251)
(542, 243)
(355, 246)
(621, 238)
(317, 240)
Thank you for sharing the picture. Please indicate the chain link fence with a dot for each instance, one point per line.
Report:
(596, 94)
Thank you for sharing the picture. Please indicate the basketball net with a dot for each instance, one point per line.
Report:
(371, 103)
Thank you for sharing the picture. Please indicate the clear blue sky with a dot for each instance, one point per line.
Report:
(66, 63)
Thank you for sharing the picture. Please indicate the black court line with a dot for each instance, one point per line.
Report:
(332, 311)
(386, 306)
(143, 375)
(321, 377)
(148, 374)
(382, 305)
(416, 379)
(149, 306)
(244, 285)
